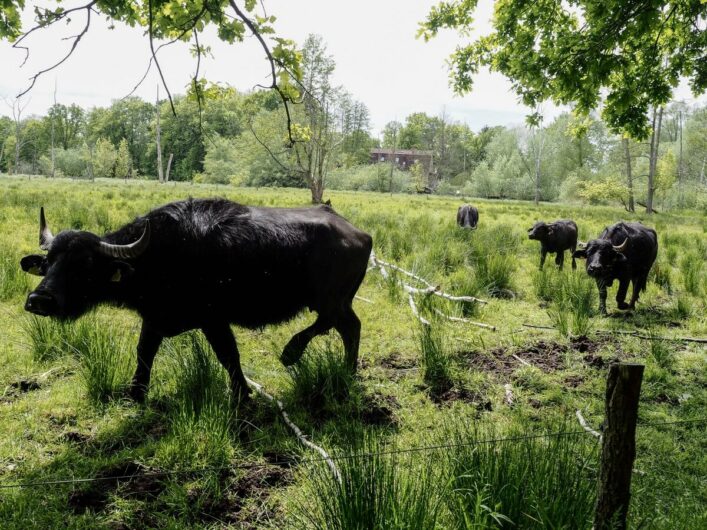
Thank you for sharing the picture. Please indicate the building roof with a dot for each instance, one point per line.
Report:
(414, 152)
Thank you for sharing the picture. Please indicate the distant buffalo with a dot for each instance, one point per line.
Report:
(555, 237)
(206, 264)
(624, 252)
(467, 216)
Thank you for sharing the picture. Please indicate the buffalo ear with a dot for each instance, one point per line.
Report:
(581, 253)
(121, 271)
(34, 264)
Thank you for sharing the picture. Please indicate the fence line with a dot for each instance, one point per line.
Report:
(350, 456)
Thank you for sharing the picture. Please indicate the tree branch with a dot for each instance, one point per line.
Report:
(154, 57)
(273, 71)
(77, 39)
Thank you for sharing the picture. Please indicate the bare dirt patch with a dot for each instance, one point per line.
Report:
(243, 502)
(129, 479)
(379, 409)
(464, 395)
(17, 388)
(548, 356)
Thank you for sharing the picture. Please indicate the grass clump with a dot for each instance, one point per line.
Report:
(691, 269)
(106, 362)
(13, 280)
(436, 363)
(573, 298)
(202, 412)
(493, 256)
(528, 482)
(320, 379)
(376, 491)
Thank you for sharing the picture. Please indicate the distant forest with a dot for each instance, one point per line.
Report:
(219, 135)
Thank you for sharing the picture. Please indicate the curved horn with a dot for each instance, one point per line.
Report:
(621, 247)
(132, 250)
(45, 235)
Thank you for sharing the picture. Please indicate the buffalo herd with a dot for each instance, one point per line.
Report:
(209, 263)
(624, 252)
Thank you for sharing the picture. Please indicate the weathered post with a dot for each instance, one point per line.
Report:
(623, 388)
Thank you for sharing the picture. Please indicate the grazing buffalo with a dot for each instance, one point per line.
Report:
(624, 252)
(555, 237)
(467, 216)
(209, 263)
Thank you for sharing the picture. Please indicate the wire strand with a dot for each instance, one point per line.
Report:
(350, 456)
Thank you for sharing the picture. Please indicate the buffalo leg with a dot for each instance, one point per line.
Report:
(224, 345)
(638, 284)
(295, 347)
(147, 348)
(621, 293)
(560, 259)
(602, 298)
(574, 262)
(349, 327)
(543, 254)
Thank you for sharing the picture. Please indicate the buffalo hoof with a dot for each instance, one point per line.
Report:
(137, 393)
(623, 306)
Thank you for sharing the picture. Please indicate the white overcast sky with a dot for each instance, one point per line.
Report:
(379, 61)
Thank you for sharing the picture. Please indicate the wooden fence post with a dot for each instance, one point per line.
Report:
(623, 388)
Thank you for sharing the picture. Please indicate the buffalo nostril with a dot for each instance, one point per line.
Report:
(39, 304)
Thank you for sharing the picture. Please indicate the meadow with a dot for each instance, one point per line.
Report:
(196, 459)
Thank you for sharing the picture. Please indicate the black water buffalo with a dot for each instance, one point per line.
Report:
(209, 263)
(467, 216)
(555, 237)
(624, 252)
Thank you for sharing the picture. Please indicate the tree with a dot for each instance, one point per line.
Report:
(104, 159)
(171, 22)
(573, 52)
(123, 163)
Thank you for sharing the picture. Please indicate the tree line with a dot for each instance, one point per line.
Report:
(217, 134)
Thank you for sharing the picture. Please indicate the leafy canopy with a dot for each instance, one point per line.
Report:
(575, 51)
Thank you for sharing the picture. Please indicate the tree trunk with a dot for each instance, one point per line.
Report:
(653, 163)
(317, 188)
(158, 139)
(629, 177)
(681, 198)
(169, 167)
(18, 146)
(53, 170)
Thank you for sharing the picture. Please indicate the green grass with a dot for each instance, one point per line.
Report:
(63, 414)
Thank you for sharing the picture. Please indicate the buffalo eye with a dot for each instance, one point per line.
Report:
(34, 264)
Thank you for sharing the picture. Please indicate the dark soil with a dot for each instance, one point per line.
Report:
(573, 381)
(398, 366)
(379, 410)
(140, 485)
(234, 508)
(464, 395)
(15, 389)
(548, 356)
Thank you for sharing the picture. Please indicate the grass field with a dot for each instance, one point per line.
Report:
(195, 456)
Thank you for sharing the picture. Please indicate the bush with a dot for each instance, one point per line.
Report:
(370, 177)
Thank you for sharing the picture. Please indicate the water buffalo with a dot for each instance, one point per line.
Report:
(467, 216)
(555, 237)
(624, 252)
(205, 264)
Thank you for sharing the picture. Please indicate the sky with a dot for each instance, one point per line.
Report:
(379, 61)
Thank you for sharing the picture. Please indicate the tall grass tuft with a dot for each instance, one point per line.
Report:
(320, 379)
(661, 352)
(572, 304)
(203, 415)
(530, 482)
(436, 363)
(691, 269)
(662, 276)
(376, 491)
(13, 280)
(493, 257)
(545, 284)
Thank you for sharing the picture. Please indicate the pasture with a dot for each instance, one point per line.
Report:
(197, 460)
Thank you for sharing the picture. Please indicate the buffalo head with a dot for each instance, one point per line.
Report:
(540, 231)
(602, 257)
(78, 271)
